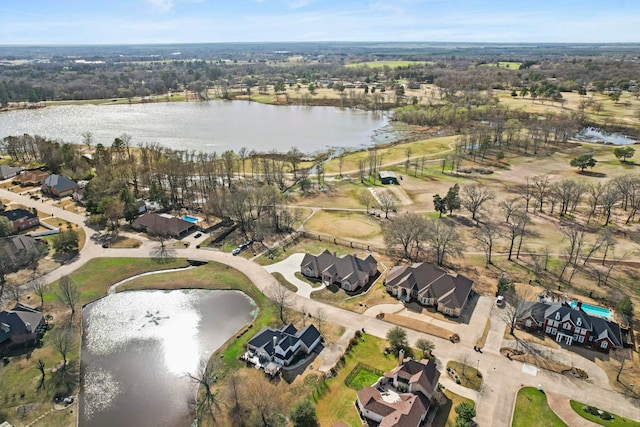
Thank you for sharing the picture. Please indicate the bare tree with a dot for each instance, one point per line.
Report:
(526, 192)
(366, 198)
(541, 188)
(516, 298)
(206, 375)
(13, 292)
(508, 207)
(321, 317)
(443, 239)
(266, 401)
(237, 412)
(474, 196)
(39, 287)
(486, 234)
(62, 340)
(282, 298)
(406, 230)
(387, 202)
(574, 236)
(515, 228)
(68, 294)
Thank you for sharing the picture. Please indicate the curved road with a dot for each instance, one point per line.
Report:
(502, 378)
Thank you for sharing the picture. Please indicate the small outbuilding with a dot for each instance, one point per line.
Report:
(387, 177)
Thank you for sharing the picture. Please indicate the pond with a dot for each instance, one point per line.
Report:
(139, 346)
(591, 134)
(206, 126)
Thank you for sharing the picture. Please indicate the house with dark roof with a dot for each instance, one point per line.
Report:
(349, 271)
(430, 286)
(21, 219)
(279, 347)
(402, 397)
(570, 325)
(165, 224)
(18, 248)
(7, 171)
(59, 186)
(19, 326)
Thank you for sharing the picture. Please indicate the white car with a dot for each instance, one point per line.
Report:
(499, 300)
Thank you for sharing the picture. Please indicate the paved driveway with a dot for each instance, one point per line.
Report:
(288, 267)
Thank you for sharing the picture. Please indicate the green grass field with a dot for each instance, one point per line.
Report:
(532, 410)
(446, 415)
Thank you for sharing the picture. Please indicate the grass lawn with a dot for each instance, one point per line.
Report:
(446, 415)
(363, 378)
(532, 410)
(469, 376)
(617, 421)
(284, 282)
(338, 401)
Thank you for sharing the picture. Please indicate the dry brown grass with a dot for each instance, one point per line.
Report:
(541, 362)
(124, 242)
(417, 325)
(629, 382)
(347, 225)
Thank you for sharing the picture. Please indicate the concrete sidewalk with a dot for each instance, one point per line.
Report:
(561, 406)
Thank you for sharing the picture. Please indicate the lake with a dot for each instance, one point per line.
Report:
(206, 126)
(591, 134)
(138, 347)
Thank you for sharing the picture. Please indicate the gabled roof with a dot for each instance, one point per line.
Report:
(285, 338)
(347, 267)
(566, 313)
(406, 412)
(18, 214)
(424, 373)
(60, 183)
(21, 319)
(603, 328)
(432, 282)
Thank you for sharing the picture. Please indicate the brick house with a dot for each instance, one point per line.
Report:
(21, 219)
(570, 325)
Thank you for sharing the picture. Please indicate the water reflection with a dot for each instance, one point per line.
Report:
(591, 134)
(138, 347)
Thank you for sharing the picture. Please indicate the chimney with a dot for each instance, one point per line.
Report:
(400, 357)
(27, 326)
(275, 343)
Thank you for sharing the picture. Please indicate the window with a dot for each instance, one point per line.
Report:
(580, 338)
(575, 337)
(548, 330)
(579, 322)
(528, 323)
(557, 316)
(604, 344)
(554, 323)
(567, 326)
(424, 301)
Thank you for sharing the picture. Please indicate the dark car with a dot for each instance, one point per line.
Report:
(197, 235)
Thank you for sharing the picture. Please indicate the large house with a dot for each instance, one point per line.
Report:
(350, 272)
(21, 219)
(163, 224)
(570, 325)
(402, 397)
(430, 286)
(59, 186)
(279, 347)
(20, 326)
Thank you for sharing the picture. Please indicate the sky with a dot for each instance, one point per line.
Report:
(42, 22)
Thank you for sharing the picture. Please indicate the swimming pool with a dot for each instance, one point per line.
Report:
(593, 310)
(192, 219)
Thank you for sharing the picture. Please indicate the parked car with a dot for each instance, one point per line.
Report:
(500, 300)
(197, 235)
(236, 251)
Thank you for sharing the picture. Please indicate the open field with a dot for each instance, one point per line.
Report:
(347, 225)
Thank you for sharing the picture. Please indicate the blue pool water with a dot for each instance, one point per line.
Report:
(593, 310)
(192, 219)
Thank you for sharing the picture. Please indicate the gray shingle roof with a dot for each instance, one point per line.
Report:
(60, 183)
